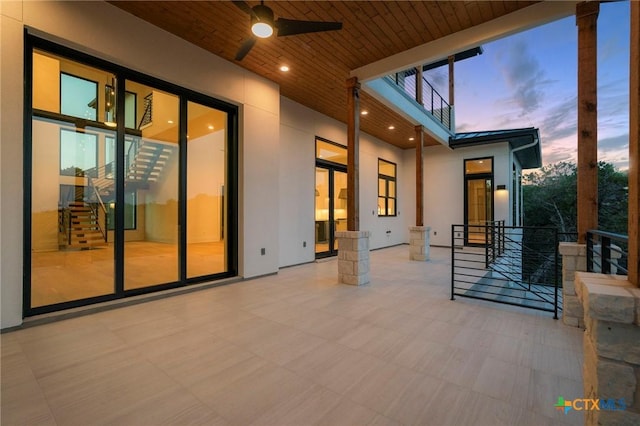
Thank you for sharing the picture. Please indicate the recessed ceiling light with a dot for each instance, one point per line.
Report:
(392, 127)
(365, 112)
(210, 127)
(170, 121)
(411, 139)
(284, 68)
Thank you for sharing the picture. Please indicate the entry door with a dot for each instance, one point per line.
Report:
(479, 209)
(331, 209)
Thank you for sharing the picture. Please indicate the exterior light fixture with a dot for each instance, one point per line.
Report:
(364, 112)
(501, 188)
(284, 68)
(262, 23)
(392, 127)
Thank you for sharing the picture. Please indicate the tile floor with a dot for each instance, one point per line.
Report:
(297, 348)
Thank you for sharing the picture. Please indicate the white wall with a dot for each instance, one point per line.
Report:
(299, 126)
(105, 31)
(444, 186)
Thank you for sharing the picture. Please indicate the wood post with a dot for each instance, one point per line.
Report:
(353, 139)
(634, 146)
(419, 176)
(586, 20)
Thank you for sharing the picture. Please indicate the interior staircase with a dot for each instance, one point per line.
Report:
(83, 224)
(84, 230)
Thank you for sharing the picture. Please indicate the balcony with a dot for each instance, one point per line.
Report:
(299, 348)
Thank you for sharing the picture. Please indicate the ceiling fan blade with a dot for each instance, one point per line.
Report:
(245, 48)
(243, 6)
(287, 27)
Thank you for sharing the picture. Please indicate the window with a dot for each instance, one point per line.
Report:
(78, 153)
(386, 188)
(78, 97)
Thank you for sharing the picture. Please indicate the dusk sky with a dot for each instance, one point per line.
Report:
(530, 80)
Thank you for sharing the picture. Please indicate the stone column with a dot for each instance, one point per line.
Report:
(353, 257)
(611, 368)
(419, 242)
(574, 258)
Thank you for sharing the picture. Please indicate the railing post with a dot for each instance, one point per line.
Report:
(453, 248)
(486, 245)
(555, 275)
(589, 252)
(605, 253)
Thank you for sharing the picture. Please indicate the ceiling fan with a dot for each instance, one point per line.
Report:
(263, 24)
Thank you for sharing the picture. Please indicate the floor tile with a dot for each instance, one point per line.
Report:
(299, 348)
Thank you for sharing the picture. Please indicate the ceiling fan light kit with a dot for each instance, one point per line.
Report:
(262, 21)
(263, 24)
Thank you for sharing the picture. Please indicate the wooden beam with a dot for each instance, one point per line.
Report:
(353, 141)
(586, 20)
(451, 80)
(634, 146)
(419, 86)
(419, 176)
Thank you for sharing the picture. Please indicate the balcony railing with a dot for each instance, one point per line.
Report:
(431, 101)
(607, 252)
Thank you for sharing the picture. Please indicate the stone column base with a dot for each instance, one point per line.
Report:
(574, 258)
(611, 367)
(419, 242)
(353, 257)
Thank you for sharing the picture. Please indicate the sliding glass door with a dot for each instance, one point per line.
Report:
(131, 183)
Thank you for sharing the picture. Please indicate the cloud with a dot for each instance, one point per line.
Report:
(560, 120)
(615, 142)
(523, 76)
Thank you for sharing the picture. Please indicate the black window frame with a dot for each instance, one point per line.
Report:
(472, 176)
(386, 195)
(31, 44)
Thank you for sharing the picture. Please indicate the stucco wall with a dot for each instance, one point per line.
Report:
(298, 130)
(444, 186)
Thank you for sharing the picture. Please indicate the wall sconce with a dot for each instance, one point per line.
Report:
(343, 194)
(317, 193)
(501, 188)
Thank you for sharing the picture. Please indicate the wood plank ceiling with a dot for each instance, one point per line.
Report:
(320, 63)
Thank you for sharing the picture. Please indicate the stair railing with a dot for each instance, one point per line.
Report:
(64, 223)
(99, 209)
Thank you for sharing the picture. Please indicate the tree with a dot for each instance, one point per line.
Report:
(549, 197)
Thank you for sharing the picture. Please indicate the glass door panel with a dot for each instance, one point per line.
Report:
(331, 209)
(206, 185)
(151, 170)
(339, 204)
(71, 255)
(322, 210)
(478, 209)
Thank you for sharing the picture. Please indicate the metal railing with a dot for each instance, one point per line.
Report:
(432, 102)
(147, 115)
(607, 252)
(516, 266)
(99, 210)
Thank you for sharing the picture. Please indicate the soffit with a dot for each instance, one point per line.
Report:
(321, 62)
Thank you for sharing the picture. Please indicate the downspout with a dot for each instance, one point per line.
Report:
(535, 142)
